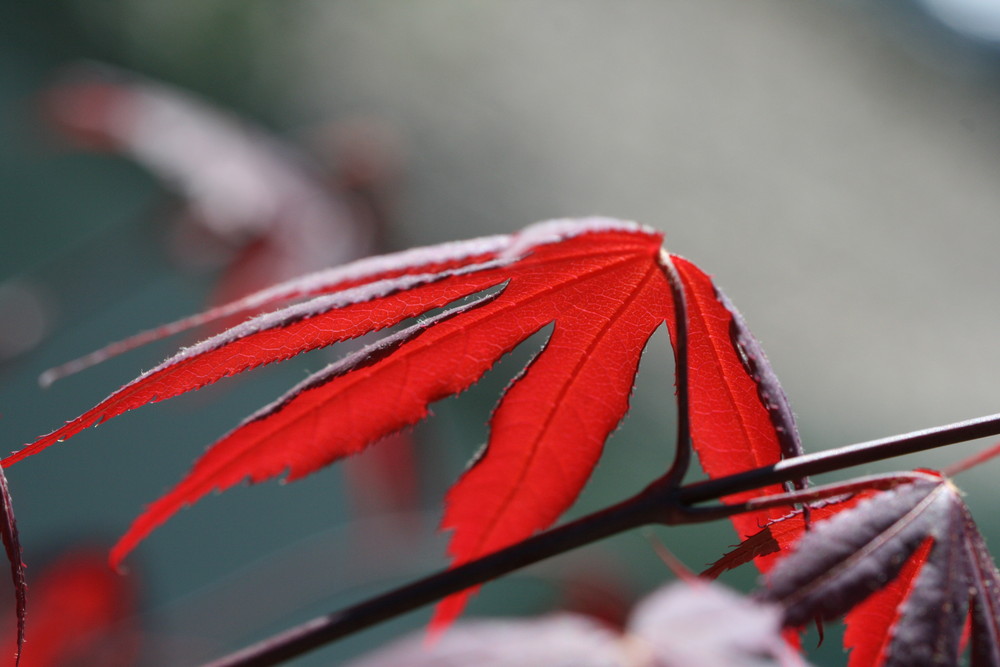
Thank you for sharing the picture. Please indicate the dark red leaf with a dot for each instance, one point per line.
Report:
(914, 553)
(932, 618)
(772, 396)
(846, 558)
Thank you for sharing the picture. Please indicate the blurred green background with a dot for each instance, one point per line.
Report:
(834, 164)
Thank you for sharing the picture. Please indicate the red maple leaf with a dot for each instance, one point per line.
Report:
(602, 288)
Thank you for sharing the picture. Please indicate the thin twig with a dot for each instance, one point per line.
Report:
(879, 482)
(971, 462)
(841, 458)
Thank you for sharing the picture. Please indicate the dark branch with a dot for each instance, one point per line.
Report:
(841, 458)
(659, 503)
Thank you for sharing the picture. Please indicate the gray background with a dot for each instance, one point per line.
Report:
(833, 164)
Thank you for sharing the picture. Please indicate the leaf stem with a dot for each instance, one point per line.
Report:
(682, 452)
(879, 482)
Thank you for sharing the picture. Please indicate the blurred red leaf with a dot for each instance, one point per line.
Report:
(383, 479)
(81, 614)
(249, 201)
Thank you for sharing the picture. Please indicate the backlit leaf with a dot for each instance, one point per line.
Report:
(732, 429)
(598, 286)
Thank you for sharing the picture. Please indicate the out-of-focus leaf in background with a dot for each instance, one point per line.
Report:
(697, 624)
(81, 613)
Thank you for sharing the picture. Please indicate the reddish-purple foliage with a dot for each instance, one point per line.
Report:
(919, 535)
